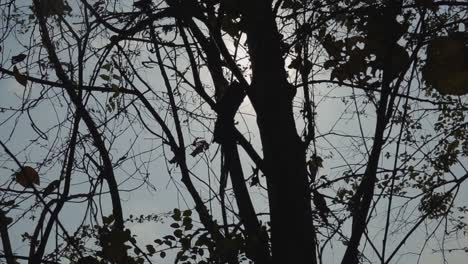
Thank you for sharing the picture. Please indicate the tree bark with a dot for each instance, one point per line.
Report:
(284, 152)
(6, 239)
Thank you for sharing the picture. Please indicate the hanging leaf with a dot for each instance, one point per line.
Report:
(429, 4)
(321, 205)
(255, 181)
(105, 77)
(332, 46)
(187, 221)
(27, 176)
(137, 251)
(446, 68)
(177, 215)
(295, 63)
(173, 160)
(340, 74)
(116, 89)
(108, 220)
(200, 146)
(330, 63)
(50, 188)
(291, 4)
(178, 233)
(18, 58)
(151, 249)
(49, 8)
(187, 213)
(169, 237)
(106, 66)
(5, 220)
(88, 260)
(400, 59)
(19, 77)
(188, 226)
(230, 26)
(7, 203)
(435, 204)
(142, 4)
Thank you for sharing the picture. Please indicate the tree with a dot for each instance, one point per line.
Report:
(114, 73)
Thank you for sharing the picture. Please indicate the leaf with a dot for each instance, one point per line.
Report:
(115, 88)
(330, 63)
(177, 215)
(321, 205)
(108, 220)
(399, 61)
(50, 188)
(142, 4)
(20, 78)
(332, 46)
(18, 58)
(5, 220)
(429, 4)
(106, 66)
(291, 4)
(137, 251)
(230, 26)
(255, 181)
(178, 233)
(105, 77)
(150, 249)
(339, 74)
(187, 213)
(173, 160)
(88, 260)
(49, 8)
(176, 211)
(446, 68)
(175, 225)
(200, 146)
(187, 221)
(295, 63)
(169, 237)
(27, 177)
(8, 203)
(185, 243)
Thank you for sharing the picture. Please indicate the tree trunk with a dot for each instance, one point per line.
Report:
(284, 153)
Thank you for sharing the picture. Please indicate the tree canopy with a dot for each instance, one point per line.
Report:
(224, 131)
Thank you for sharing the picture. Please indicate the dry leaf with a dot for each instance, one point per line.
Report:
(27, 177)
(18, 58)
(200, 146)
(19, 77)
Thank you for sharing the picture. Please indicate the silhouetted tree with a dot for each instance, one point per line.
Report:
(350, 113)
